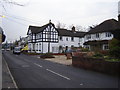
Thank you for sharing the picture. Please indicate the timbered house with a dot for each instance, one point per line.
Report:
(41, 39)
(50, 39)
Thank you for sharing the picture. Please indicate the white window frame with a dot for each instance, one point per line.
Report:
(104, 46)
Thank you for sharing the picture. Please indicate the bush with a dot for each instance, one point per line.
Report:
(47, 55)
(104, 52)
(98, 55)
(31, 53)
(84, 49)
(115, 52)
(114, 48)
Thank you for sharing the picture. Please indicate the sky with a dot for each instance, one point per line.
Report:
(83, 13)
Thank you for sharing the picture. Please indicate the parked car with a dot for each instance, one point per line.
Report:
(8, 49)
(16, 50)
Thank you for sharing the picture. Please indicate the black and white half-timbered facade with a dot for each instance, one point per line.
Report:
(50, 39)
(41, 39)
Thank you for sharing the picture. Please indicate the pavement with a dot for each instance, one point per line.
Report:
(7, 81)
(31, 72)
(61, 59)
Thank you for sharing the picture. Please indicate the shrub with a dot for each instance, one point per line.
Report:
(47, 55)
(104, 52)
(84, 49)
(97, 55)
(31, 53)
(115, 52)
(114, 48)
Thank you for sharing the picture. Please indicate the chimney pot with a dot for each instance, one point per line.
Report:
(73, 29)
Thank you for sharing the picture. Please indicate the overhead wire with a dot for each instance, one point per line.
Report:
(16, 21)
(21, 18)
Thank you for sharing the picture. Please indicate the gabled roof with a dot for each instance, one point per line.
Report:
(65, 32)
(106, 26)
(37, 29)
(61, 32)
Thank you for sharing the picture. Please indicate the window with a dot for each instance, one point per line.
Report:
(30, 47)
(36, 47)
(50, 36)
(80, 39)
(39, 46)
(105, 47)
(55, 49)
(108, 34)
(97, 35)
(87, 46)
(66, 39)
(72, 38)
(61, 38)
(88, 36)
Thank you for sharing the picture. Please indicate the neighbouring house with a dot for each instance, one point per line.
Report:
(98, 37)
(23, 42)
(48, 38)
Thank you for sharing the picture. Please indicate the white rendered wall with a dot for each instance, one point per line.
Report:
(45, 47)
(69, 43)
(102, 36)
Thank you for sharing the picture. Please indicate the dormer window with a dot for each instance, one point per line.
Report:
(97, 35)
(108, 34)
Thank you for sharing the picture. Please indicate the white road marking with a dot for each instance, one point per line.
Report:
(58, 74)
(81, 84)
(38, 65)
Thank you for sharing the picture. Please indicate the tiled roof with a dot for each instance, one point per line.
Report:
(106, 26)
(62, 32)
(37, 29)
(65, 32)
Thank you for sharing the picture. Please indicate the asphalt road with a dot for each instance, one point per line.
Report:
(32, 72)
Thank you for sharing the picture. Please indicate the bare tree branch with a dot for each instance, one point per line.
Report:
(60, 25)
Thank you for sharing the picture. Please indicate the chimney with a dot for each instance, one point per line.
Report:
(50, 21)
(73, 29)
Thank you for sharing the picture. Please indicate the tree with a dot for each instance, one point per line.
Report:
(116, 33)
(16, 43)
(114, 48)
(60, 25)
(91, 27)
(77, 27)
(80, 28)
(70, 26)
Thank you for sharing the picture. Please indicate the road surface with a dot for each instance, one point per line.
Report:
(32, 72)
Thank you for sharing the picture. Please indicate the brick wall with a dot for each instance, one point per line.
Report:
(96, 64)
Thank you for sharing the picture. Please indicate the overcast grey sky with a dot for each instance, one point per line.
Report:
(38, 12)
